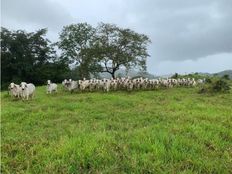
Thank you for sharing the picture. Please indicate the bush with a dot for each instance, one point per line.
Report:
(214, 86)
(221, 85)
(208, 80)
(226, 77)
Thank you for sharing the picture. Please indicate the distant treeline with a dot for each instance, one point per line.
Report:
(226, 75)
(31, 57)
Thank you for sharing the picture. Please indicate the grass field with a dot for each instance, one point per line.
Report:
(164, 131)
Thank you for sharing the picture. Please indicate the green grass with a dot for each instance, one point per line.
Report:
(164, 131)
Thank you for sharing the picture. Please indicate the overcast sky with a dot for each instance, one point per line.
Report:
(187, 35)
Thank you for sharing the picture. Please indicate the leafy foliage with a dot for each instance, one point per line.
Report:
(75, 43)
(226, 77)
(213, 85)
(116, 47)
(221, 86)
(105, 48)
(29, 57)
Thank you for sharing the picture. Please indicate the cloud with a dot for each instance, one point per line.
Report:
(183, 32)
(38, 13)
(210, 64)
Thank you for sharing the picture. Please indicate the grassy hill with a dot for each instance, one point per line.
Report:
(163, 131)
(226, 72)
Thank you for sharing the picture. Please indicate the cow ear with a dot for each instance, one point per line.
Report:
(9, 87)
(26, 85)
(14, 85)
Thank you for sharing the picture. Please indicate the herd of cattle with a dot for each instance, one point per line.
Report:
(27, 90)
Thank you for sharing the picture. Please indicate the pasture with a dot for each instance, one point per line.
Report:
(172, 130)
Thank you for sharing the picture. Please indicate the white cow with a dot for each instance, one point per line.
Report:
(106, 85)
(71, 85)
(15, 90)
(64, 82)
(28, 90)
(84, 84)
(51, 87)
(130, 85)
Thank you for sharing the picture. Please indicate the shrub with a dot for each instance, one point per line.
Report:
(208, 80)
(214, 86)
(226, 77)
(221, 85)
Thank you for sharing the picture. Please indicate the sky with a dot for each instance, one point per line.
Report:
(187, 35)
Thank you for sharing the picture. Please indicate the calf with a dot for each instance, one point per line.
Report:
(51, 87)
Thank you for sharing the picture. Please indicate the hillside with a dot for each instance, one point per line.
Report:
(162, 131)
(222, 73)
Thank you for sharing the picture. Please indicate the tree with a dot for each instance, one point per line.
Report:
(226, 77)
(106, 48)
(115, 47)
(75, 42)
(28, 57)
(175, 76)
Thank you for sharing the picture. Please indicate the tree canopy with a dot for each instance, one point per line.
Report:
(105, 48)
(116, 47)
(75, 42)
(29, 57)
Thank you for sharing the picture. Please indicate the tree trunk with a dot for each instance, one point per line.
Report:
(113, 74)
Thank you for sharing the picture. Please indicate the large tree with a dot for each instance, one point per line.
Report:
(75, 42)
(29, 57)
(117, 47)
(106, 48)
